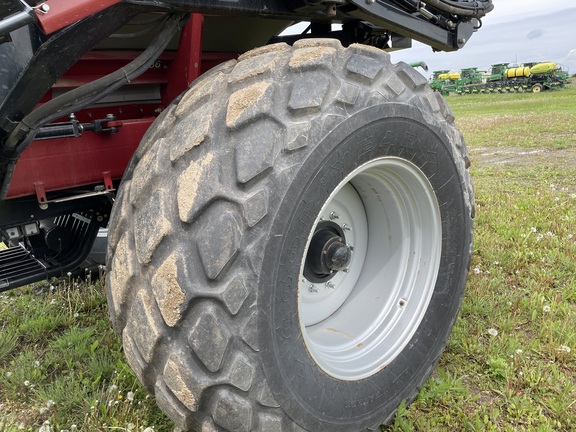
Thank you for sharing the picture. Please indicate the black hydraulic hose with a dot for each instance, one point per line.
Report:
(474, 9)
(83, 96)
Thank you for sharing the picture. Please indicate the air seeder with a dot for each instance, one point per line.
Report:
(503, 78)
(289, 217)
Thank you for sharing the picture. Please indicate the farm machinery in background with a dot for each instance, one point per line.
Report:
(503, 78)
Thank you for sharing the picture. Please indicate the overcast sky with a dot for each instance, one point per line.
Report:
(516, 30)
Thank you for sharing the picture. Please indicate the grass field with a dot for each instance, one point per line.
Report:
(511, 361)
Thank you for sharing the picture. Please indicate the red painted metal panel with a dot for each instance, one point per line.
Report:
(96, 64)
(186, 66)
(67, 162)
(66, 12)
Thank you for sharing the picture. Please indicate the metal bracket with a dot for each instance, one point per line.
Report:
(41, 195)
(108, 186)
(17, 20)
(43, 201)
(388, 15)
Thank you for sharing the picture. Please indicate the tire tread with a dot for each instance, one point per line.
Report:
(185, 308)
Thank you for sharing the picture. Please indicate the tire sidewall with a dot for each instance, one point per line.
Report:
(298, 384)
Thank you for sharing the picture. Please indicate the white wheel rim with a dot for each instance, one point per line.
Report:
(358, 321)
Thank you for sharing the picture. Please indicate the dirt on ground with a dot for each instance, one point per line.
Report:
(519, 157)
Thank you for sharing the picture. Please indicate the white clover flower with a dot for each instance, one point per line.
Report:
(27, 383)
(8, 374)
(130, 396)
(112, 388)
(477, 270)
(21, 426)
(519, 351)
(521, 373)
(76, 315)
(50, 404)
(73, 426)
(546, 308)
(148, 429)
(52, 287)
(42, 410)
(552, 186)
(45, 428)
(53, 301)
(573, 196)
(564, 348)
(36, 364)
(69, 274)
(492, 332)
(533, 229)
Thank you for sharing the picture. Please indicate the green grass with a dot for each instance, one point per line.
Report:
(509, 365)
(61, 363)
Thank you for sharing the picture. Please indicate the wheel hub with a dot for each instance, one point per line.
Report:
(328, 253)
(370, 268)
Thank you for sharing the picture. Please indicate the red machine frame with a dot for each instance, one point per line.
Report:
(63, 163)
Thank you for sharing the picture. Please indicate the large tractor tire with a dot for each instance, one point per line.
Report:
(290, 244)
